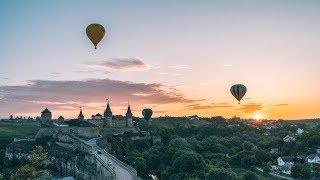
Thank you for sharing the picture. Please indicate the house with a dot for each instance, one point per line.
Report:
(299, 131)
(313, 158)
(60, 118)
(285, 164)
(286, 169)
(285, 159)
(266, 134)
(97, 116)
(60, 125)
(274, 151)
(289, 138)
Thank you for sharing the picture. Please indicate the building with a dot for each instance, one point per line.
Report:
(313, 159)
(285, 159)
(299, 131)
(60, 118)
(289, 138)
(285, 164)
(109, 120)
(97, 117)
(129, 117)
(274, 151)
(80, 116)
(108, 115)
(46, 117)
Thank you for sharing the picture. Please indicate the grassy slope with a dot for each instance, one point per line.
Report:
(8, 132)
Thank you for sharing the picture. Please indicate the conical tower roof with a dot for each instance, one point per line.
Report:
(46, 111)
(129, 113)
(81, 117)
(108, 112)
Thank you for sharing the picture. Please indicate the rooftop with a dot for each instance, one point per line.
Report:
(46, 111)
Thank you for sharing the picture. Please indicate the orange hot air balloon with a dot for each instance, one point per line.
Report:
(95, 33)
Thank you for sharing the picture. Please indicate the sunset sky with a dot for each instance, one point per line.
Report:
(176, 57)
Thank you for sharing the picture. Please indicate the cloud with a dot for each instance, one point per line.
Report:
(54, 74)
(181, 67)
(38, 94)
(222, 105)
(227, 65)
(4, 77)
(198, 106)
(282, 105)
(99, 71)
(250, 108)
(120, 64)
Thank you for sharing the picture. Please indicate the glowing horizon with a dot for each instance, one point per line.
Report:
(179, 58)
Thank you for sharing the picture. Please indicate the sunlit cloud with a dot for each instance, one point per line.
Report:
(176, 74)
(163, 73)
(251, 107)
(181, 67)
(284, 104)
(227, 65)
(198, 106)
(38, 94)
(99, 71)
(222, 105)
(119, 64)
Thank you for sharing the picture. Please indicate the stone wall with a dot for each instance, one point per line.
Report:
(84, 132)
(67, 156)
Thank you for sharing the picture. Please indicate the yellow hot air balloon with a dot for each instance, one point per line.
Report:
(95, 33)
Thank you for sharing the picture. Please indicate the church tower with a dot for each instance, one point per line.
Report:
(80, 117)
(129, 117)
(108, 115)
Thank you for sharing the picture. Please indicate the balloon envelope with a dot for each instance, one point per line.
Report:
(238, 91)
(147, 113)
(95, 33)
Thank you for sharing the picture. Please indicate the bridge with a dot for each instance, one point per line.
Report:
(120, 170)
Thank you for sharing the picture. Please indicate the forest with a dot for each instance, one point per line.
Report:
(213, 148)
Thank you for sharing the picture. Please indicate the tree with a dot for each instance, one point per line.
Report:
(247, 146)
(220, 174)
(190, 163)
(266, 168)
(38, 156)
(141, 166)
(262, 156)
(314, 140)
(248, 161)
(178, 144)
(33, 170)
(249, 175)
(301, 171)
(153, 156)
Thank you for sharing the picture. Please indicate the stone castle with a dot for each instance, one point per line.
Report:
(107, 120)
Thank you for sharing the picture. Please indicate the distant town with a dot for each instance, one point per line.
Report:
(280, 149)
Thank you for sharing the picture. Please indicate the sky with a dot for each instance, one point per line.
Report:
(179, 58)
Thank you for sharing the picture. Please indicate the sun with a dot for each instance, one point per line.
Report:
(258, 116)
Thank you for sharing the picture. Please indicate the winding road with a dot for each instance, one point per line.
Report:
(122, 173)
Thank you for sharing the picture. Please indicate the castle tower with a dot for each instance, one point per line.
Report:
(129, 117)
(108, 115)
(80, 117)
(46, 117)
